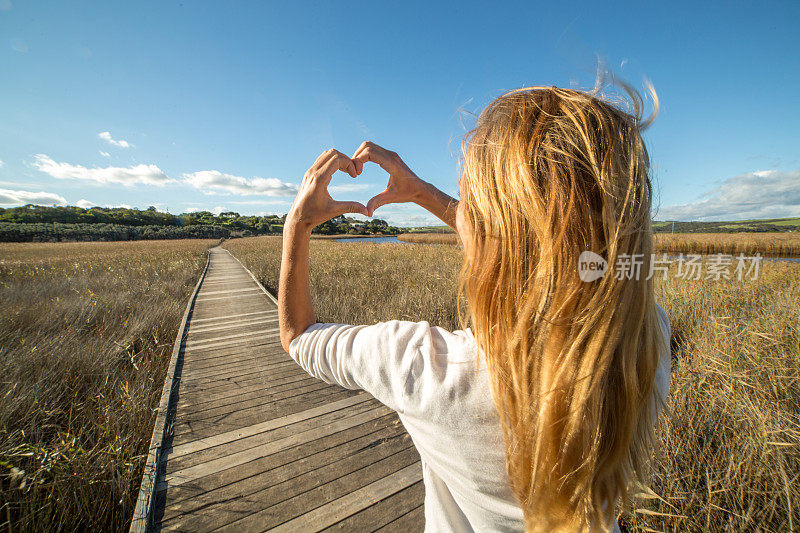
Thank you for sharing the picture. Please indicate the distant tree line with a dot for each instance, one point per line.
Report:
(39, 232)
(43, 223)
(343, 225)
(761, 226)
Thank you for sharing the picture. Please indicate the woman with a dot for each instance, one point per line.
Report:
(540, 416)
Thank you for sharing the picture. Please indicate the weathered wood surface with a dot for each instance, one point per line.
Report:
(256, 444)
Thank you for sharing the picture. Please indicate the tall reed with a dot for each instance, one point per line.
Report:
(767, 244)
(86, 332)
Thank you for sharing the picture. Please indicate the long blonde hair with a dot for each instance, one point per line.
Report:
(549, 173)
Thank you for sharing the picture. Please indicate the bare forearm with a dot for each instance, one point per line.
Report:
(438, 203)
(295, 312)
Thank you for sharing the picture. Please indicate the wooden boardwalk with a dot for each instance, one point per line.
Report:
(254, 443)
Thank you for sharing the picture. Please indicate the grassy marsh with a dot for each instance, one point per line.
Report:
(86, 332)
(767, 244)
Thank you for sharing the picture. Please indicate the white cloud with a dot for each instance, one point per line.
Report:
(214, 179)
(106, 136)
(217, 210)
(86, 204)
(192, 209)
(146, 174)
(350, 187)
(406, 215)
(104, 154)
(260, 202)
(12, 197)
(1, 163)
(760, 194)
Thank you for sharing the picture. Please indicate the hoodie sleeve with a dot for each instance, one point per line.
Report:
(405, 365)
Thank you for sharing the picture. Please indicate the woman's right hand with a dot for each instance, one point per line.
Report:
(403, 186)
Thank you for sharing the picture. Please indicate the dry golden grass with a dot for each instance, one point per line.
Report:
(363, 283)
(767, 244)
(730, 457)
(86, 332)
(429, 238)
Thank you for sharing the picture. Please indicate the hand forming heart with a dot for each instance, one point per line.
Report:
(314, 205)
(403, 186)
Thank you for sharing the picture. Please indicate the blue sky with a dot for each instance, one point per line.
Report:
(224, 105)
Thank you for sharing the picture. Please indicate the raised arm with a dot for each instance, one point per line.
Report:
(312, 206)
(404, 185)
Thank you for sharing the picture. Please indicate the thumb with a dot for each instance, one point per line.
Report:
(350, 207)
(378, 200)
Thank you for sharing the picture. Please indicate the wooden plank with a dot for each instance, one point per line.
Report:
(201, 335)
(222, 310)
(220, 397)
(345, 495)
(200, 329)
(194, 429)
(328, 446)
(227, 317)
(198, 344)
(246, 504)
(239, 434)
(231, 278)
(228, 291)
(234, 358)
(269, 478)
(187, 475)
(340, 508)
(233, 368)
(200, 398)
(386, 511)
(268, 348)
(245, 443)
(224, 320)
(207, 336)
(202, 403)
(242, 340)
(229, 297)
(214, 367)
(413, 520)
(202, 387)
(209, 380)
(221, 412)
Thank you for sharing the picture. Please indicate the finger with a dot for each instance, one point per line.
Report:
(378, 200)
(336, 161)
(349, 207)
(375, 154)
(343, 163)
(324, 156)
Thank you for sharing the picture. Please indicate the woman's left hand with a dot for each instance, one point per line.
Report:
(313, 204)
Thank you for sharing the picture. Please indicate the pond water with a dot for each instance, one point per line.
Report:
(790, 259)
(388, 238)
